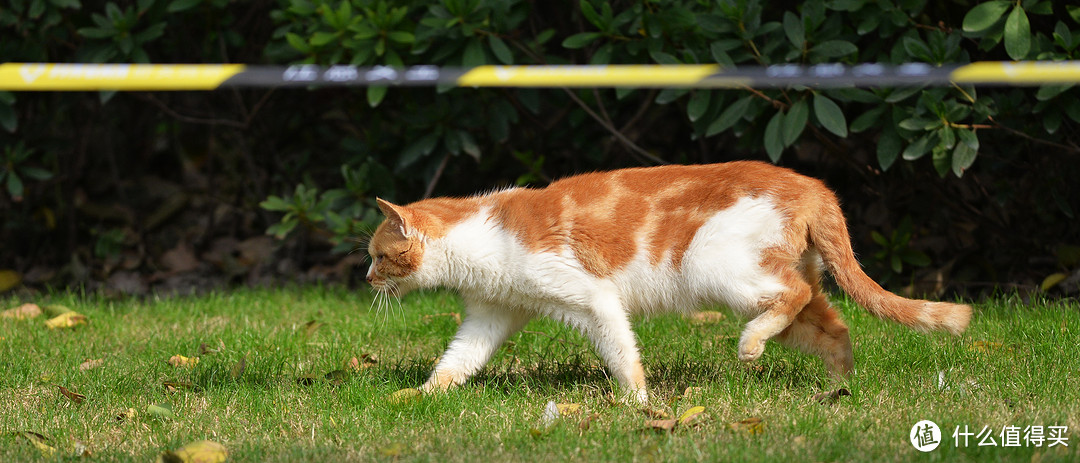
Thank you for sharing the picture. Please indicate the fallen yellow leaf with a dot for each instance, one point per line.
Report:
(690, 415)
(196, 452)
(39, 441)
(179, 361)
(66, 320)
(22, 312)
(568, 409)
(1052, 280)
(9, 279)
(403, 396)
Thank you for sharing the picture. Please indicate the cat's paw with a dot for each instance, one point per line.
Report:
(750, 349)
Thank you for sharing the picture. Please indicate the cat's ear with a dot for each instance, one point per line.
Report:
(395, 214)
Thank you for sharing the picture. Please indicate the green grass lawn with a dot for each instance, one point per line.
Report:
(1017, 366)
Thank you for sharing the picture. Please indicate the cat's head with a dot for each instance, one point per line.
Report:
(396, 249)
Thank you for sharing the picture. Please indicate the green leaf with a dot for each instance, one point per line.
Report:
(917, 48)
(14, 185)
(401, 37)
(916, 149)
(774, 146)
(500, 50)
(375, 95)
(868, 119)
(8, 120)
(830, 115)
(297, 42)
(888, 148)
(36, 8)
(795, 122)
(834, 49)
(985, 15)
(963, 157)
(422, 147)
(1017, 34)
(1074, 12)
(474, 54)
(699, 103)
(177, 6)
(275, 203)
(162, 411)
(580, 40)
(729, 116)
(35, 173)
(968, 137)
(793, 28)
(468, 144)
(918, 123)
(663, 58)
(590, 14)
(942, 159)
(95, 32)
(321, 38)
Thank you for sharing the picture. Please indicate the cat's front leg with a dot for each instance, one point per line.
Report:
(609, 330)
(485, 329)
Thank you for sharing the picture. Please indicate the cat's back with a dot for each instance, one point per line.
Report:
(608, 219)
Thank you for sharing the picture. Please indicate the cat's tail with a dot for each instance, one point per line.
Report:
(830, 236)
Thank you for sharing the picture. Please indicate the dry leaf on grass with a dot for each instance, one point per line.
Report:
(661, 425)
(453, 315)
(38, 441)
(307, 380)
(588, 421)
(364, 361)
(237, 370)
(179, 361)
(750, 426)
(311, 327)
(74, 396)
(337, 377)
(987, 347)
(22, 312)
(66, 320)
(656, 413)
(707, 317)
(196, 452)
(172, 386)
(91, 364)
(125, 415)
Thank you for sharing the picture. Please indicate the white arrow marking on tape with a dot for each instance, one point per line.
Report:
(30, 72)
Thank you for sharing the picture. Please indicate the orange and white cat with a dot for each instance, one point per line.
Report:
(594, 249)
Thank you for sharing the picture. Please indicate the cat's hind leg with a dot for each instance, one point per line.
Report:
(819, 330)
(485, 329)
(777, 312)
